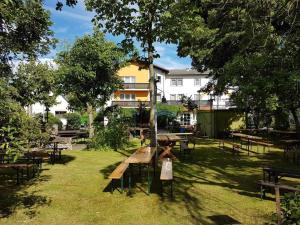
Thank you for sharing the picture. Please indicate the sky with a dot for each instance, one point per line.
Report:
(71, 23)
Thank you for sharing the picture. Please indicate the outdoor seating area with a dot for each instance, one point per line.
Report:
(180, 187)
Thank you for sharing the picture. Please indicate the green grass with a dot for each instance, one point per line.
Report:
(210, 183)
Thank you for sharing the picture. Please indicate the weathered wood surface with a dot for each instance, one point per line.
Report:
(119, 171)
(142, 155)
(166, 170)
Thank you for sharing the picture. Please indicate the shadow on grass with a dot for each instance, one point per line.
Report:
(14, 196)
(65, 159)
(210, 166)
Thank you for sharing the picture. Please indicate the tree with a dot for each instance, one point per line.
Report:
(146, 21)
(251, 45)
(34, 82)
(88, 73)
(24, 32)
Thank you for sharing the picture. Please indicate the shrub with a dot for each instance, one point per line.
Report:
(73, 121)
(290, 207)
(114, 136)
(165, 117)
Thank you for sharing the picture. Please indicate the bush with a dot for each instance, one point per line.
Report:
(52, 120)
(73, 121)
(165, 117)
(290, 207)
(114, 136)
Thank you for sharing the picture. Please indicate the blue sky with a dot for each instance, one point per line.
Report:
(75, 22)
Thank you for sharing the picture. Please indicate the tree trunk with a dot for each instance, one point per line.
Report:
(91, 120)
(153, 129)
(297, 122)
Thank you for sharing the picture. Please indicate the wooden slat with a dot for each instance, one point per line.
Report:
(119, 171)
(166, 170)
(142, 155)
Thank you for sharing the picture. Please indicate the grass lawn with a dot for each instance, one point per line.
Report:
(208, 186)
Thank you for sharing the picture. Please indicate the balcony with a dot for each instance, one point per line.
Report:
(136, 86)
(130, 104)
(202, 104)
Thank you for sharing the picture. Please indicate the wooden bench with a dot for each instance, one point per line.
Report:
(166, 174)
(19, 167)
(236, 149)
(266, 184)
(262, 143)
(118, 174)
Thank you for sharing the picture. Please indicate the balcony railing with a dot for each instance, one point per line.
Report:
(136, 85)
(131, 104)
(201, 103)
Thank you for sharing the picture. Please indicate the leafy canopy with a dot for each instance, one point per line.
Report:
(88, 70)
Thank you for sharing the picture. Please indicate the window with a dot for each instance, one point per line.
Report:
(173, 97)
(129, 79)
(60, 112)
(179, 82)
(185, 119)
(158, 79)
(179, 96)
(196, 97)
(158, 97)
(176, 82)
(197, 82)
(127, 97)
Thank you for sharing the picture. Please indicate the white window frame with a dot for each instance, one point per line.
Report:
(197, 82)
(175, 82)
(131, 79)
(184, 119)
(179, 96)
(130, 97)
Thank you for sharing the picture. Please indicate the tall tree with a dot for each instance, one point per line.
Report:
(24, 31)
(34, 82)
(250, 45)
(88, 73)
(146, 21)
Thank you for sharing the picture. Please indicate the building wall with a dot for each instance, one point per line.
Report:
(141, 76)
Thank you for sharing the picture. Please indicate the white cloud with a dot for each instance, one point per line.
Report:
(72, 13)
(171, 63)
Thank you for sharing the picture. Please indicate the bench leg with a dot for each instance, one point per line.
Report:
(149, 179)
(122, 183)
(112, 186)
(171, 188)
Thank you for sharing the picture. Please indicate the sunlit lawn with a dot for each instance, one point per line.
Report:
(212, 182)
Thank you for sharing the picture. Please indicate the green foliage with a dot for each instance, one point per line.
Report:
(88, 71)
(290, 207)
(73, 121)
(114, 136)
(26, 32)
(171, 108)
(34, 82)
(164, 118)
(250, 46)
(52, 120)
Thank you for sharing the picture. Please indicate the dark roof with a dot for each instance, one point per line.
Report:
(187, 72)
(161, 68)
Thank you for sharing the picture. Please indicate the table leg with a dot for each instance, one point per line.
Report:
(18, 177)
(129, 180)
(149, 179)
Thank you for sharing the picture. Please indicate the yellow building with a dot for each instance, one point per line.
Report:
(136, 86)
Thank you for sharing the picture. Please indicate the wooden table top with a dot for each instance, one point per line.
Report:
(169, 137)
(290, 141)
(246, 136)
(177, 134)
(142, 155)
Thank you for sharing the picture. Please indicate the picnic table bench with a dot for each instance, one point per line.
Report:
(143, 155)
(277, 173)
(166, 174)
(236, 149)
(19, 167)
(118, 174)
(264, 185)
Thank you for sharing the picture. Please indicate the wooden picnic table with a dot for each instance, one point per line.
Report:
(287, 146)
(143, 155)
(17, 167)
(168, 139)
(249, 138)
(277, 173)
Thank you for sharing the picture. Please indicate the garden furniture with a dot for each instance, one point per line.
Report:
(166, 174)
(118, 174)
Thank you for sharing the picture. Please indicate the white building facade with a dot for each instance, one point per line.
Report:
(175, 84)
